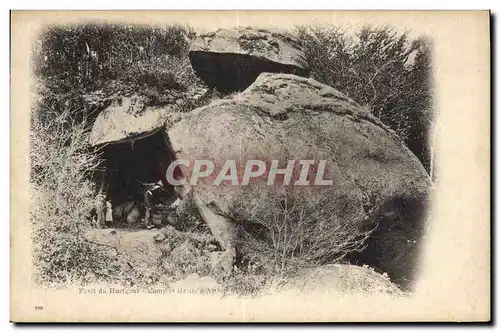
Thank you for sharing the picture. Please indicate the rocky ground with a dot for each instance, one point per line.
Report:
(182, 260)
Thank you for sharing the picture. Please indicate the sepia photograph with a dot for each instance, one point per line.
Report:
(218, 166)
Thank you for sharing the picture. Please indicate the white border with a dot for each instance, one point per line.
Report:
(147, 4)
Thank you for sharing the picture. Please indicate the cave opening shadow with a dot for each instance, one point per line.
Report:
(129, 167)
(230, 72)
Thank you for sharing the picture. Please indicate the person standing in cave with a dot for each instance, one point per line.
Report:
(109, 212)
(100, 209)
(151, 193)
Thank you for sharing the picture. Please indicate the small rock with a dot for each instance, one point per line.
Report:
(138, 248)
(214, 257)
(222, 263)
(149, 277)
(159, 237)
(172, 219)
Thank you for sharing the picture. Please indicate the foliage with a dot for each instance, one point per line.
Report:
(184, 253)
(83, 54)
(62, 197)
(381, 68)
(81, 66)
(297, 232)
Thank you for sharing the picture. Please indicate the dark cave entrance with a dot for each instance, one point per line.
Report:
(229, 72)
(129, 166)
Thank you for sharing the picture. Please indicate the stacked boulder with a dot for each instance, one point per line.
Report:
(231, 59)
(131, 117)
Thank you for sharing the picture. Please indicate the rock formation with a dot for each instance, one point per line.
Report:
(231, 59)
(379, 188)
(341, 279)
(378, 184)
(130, 118)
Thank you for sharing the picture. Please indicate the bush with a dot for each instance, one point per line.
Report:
(381, 68)
(298, 232)
(84, 65)
(62, 198)
(85, 54)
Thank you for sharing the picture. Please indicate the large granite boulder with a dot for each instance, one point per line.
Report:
(127, 118)
(231, 59)
(379, 187)
(135, 116)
